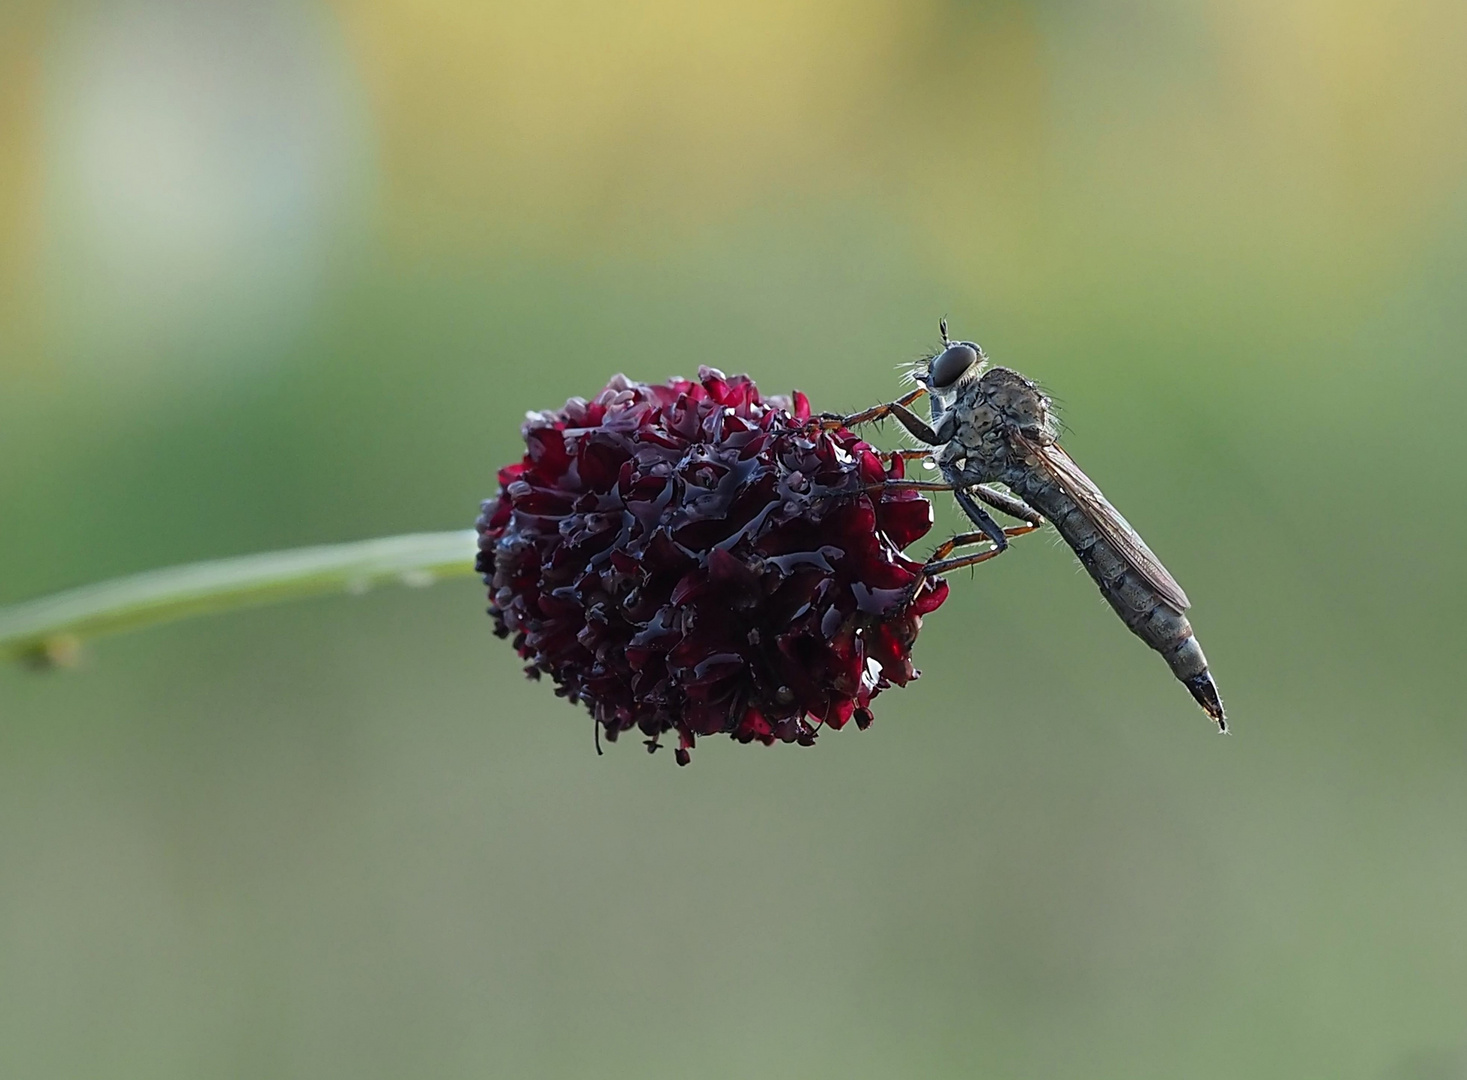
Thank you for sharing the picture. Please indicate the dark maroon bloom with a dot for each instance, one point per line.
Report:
(694, 558)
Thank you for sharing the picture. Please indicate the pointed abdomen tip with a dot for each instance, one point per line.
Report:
(1205, 691)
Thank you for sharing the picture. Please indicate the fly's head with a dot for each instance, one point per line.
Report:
(1018, 405)
(950, 372)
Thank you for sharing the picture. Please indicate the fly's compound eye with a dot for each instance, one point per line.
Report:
(950, 364)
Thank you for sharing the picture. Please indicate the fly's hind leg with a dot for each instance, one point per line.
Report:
(940, 561)
(988, 529)
(1008, 504)
(937, 565)
(947, 547)
(979, 516)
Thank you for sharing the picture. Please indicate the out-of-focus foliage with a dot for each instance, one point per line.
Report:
(276, 274)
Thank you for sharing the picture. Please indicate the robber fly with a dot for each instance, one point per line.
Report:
(994, 425)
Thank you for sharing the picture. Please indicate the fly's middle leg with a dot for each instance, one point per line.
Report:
(1008, 504)
(909, 485)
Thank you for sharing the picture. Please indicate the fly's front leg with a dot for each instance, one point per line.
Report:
(908, 455)
(920, 429)
(898, 408)
(830, 421)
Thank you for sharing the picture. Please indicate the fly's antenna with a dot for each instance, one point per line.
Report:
(942, 327)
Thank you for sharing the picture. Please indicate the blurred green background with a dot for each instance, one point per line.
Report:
(281, 273)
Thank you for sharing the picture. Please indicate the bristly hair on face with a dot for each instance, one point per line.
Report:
(914, 370)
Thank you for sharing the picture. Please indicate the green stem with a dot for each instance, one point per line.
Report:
(47, 629)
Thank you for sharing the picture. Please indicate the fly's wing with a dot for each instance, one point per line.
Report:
(1107, 519)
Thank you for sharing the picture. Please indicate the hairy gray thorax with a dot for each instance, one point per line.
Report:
(978, 419)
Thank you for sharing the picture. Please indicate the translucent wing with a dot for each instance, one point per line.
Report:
(1107, 519)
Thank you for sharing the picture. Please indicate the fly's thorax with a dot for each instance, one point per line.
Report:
(1019, 403)
(977, 447)
(980, 417)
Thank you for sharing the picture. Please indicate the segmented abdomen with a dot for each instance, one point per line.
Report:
(1150, 617)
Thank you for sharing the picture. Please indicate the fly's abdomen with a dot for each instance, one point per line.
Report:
(1151, 618)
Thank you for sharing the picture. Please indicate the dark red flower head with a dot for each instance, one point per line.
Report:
(694, 558)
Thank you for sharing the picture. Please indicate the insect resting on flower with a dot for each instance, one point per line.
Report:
(993, 425)
(692, 557)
